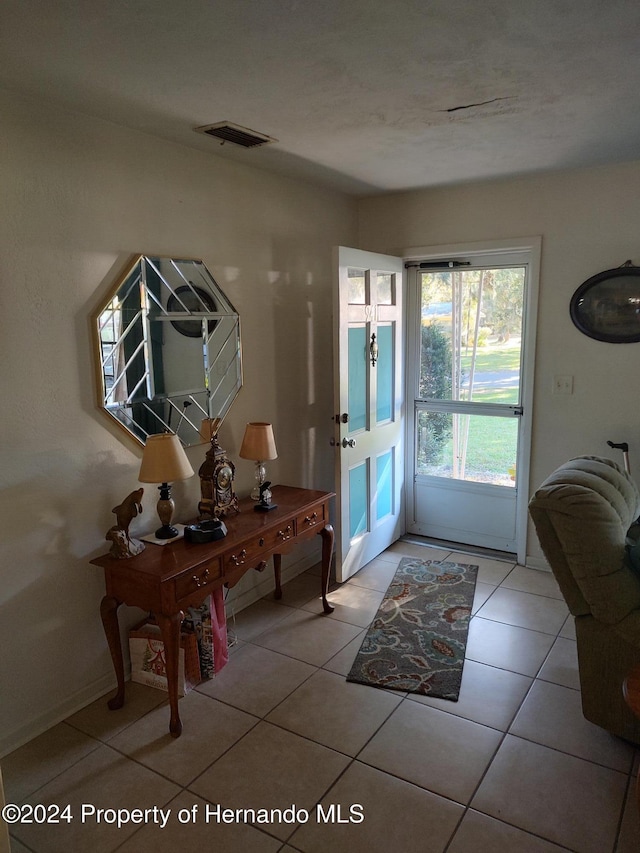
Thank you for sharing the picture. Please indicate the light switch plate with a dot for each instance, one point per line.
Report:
(563, 384)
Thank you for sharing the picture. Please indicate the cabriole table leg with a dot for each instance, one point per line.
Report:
(327, 552)
(109, 613)
(277, 573)
(170, 630)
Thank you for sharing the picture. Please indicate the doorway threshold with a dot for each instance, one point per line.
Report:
(475, 550)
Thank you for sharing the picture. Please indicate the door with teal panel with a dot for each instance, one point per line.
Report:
(369, 409)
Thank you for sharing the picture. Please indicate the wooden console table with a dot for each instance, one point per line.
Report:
(166, 579)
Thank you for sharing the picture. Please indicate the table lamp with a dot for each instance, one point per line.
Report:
(259, 444)
(164, 461)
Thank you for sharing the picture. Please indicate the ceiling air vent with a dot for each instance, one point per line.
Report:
(227, 132)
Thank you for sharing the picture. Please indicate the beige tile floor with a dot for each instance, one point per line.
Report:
(512, 766)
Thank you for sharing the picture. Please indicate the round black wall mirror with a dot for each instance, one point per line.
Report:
(606, 306)
(194, 300)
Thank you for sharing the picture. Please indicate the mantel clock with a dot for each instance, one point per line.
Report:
(216, 474)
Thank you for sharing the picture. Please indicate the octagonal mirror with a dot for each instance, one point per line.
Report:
(168, 349)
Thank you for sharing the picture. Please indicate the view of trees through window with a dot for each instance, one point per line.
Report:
(470, 352)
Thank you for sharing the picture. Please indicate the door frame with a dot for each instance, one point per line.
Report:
(532, 245)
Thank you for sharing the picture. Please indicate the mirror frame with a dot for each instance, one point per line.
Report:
(176, 307)
(608, 320)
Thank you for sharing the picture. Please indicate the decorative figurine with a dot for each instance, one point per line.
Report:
(264, 504)
(123, 545)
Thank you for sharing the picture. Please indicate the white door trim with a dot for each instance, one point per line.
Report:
(514, 245)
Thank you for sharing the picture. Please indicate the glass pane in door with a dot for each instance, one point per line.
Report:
(384, 374)
(471, 327)
(358, 500)
(384, 484)
(480, 448)
(384, 289)
(358, 397)
(357, 293)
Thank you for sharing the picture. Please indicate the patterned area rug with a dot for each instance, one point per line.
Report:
(417, 641)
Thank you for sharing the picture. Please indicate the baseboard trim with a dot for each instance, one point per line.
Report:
(535, 562)
(40, 724)
(79, 700)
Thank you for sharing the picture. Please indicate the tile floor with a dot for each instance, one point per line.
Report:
(512, 766)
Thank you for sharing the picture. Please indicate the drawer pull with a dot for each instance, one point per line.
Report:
(202, 580)
(261, 541)
(286, 533)
(311, 519)
(262, 565)
(238, 559)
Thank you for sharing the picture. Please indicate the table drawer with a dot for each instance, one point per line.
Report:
(195, 579)
(260, 548)
(310, 519)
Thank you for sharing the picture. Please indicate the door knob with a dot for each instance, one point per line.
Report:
(348, 442)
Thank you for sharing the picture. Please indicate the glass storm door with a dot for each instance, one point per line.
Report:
(368, 418)
(467, 384)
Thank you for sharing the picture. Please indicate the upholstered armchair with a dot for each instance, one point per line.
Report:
(582, 513)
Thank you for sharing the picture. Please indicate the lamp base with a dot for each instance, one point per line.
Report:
(264, 507)
(165, 509)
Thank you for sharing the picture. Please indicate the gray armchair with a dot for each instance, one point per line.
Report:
(581, 514)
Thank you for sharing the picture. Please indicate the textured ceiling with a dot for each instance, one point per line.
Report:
(362, 95)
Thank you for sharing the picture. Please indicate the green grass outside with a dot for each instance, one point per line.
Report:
(492, 442)
(493, 358)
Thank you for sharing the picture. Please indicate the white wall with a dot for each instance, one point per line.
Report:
(589, 221)
(79, 197)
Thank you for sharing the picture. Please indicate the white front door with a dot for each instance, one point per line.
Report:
(470, 377)
(369, 411)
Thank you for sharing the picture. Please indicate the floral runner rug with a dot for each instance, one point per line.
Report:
(417, 641)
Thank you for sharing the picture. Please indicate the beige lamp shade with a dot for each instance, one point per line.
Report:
(164, 460)
(258, 443)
